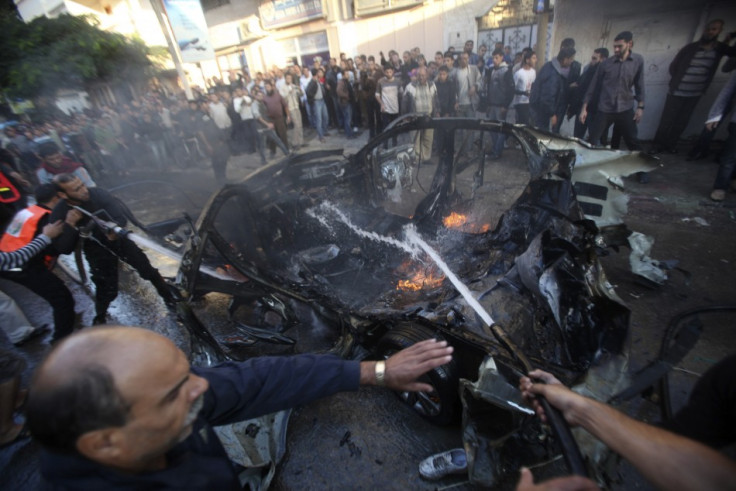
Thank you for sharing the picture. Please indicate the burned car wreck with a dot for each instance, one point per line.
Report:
(347, 239)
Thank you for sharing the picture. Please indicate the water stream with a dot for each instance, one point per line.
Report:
(327, 210)
(166, 252)
(154, 246)
(413, 237)
(411, 245)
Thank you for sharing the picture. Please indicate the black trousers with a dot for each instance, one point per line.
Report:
(219, 156)
(373, 115)
(51, 288)
(103, 263)
(675, 117)
(624, 121)
(727, 166)
(523, 115)
(541, 118)
(386, 119)
(581, 128)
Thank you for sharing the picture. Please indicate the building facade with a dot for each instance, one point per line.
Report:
(259, 34)
(266, 33)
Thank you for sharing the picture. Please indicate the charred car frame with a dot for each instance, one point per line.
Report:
(329, 233)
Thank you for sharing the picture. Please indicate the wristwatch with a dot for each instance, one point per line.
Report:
(380, 373)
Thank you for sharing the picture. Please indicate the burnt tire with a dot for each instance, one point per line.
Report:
(439, 406)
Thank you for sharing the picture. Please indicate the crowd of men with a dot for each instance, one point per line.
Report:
(139, 438)
(273, 109)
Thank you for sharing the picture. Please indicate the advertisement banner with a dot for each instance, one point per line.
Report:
(190, 30)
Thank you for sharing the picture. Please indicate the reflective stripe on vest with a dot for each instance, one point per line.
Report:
(8, 192)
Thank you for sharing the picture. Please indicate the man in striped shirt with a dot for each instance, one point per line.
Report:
(12, 320)
(388, 95)
(18, 330)
(692, 71)
(17, 258)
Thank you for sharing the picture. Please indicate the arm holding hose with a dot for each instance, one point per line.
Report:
(666, 460)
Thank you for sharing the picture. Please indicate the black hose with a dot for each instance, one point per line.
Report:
(570, 450)
(664, 385)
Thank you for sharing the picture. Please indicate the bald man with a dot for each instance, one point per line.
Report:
(120, 407)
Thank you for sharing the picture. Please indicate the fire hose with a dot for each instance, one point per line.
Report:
(104, 225)
(570, 450)
(183, 310)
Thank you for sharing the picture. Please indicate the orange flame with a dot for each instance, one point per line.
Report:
(420, 280)
(460, 222)
(455, 220)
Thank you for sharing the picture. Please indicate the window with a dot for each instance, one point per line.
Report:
(211, 4)
(372, 7)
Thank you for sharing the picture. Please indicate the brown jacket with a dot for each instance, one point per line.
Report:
(343, 91)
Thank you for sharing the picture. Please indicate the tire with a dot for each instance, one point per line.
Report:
(439, 406)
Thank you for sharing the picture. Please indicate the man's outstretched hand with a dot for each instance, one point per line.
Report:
(406, 366)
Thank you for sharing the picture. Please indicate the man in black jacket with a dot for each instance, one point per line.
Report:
(102, 248)
(499, 82)
(548, 97)
(572, 76)
(120, 407)
(576, 101)
(692, 71)
(446, 92)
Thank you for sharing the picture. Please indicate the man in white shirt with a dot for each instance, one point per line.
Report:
(218, 112)
(304, 80)
(242, 103)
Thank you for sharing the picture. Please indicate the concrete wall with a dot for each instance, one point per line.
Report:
(660, 27)
(434, 25)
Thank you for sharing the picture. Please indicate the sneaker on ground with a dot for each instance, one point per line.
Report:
(443, 464)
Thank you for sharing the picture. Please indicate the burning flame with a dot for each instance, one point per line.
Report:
(425, 278)
(460, 222)
(455, 220)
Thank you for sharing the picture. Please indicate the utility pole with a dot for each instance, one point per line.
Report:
(173, 48)
(542, 23)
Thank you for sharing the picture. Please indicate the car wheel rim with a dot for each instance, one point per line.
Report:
(424, 403)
